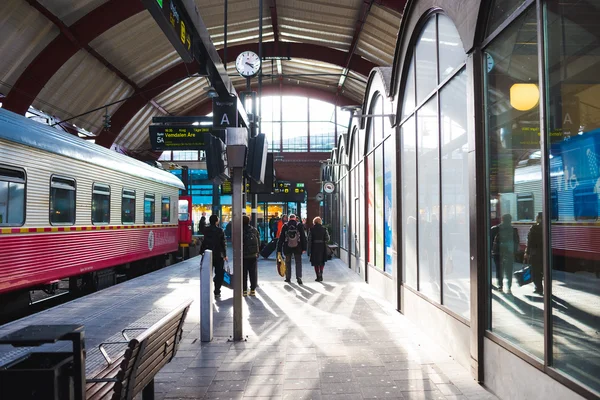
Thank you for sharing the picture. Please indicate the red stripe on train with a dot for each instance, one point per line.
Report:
(28, 260)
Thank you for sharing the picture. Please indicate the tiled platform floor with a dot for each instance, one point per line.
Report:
(329, 340)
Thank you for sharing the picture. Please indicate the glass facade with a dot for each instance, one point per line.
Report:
(544, 177)
(434, 167)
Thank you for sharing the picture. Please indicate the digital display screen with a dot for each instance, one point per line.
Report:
(174, 137)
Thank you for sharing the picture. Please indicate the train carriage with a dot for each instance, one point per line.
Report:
(71, 208)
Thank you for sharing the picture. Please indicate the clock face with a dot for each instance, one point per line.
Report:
(490, 62)
(328, 187)
(247, 64)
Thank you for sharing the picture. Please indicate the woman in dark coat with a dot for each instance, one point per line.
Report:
(318, 237)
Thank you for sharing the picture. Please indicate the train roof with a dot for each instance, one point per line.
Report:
(18, 129)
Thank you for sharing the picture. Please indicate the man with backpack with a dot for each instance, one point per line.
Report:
(292, 242)
(506, 245)
(214, 240)
(251, 246)
(273, 222)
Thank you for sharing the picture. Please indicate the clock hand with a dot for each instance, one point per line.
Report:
(252, 65)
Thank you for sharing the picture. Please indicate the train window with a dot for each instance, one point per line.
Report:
(128, 206)
(585, 203)
(100, 204)
(12, 197)
(148, 208)
(62, 200)
(525, 206)
(165, 210)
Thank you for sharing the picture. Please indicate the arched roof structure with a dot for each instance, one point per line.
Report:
(70, 57)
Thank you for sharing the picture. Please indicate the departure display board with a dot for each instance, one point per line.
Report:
(178, 137)
(172, 18)
(286, 187)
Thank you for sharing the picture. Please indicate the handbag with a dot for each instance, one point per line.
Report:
(227, 276)
(328, 252)
(523, 276)
(280, 265)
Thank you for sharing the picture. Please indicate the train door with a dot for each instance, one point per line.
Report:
(185, 221)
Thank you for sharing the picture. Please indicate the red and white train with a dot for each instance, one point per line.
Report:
(70, 208)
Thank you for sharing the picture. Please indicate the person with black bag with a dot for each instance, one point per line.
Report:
(292, 242)
(318, 238)
(214, 240)
(250, 246)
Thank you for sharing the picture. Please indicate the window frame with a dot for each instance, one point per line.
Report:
(123, 196)
(50, 202)
(147, 197)
(109, 203)
(24, 182)
(162, 201)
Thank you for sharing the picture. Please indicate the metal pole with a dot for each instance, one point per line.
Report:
(225, 36)
(206, 297)
(236, 244)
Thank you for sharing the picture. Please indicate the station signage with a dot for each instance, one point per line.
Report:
(179, 137)
(172, 18)
(285, 187)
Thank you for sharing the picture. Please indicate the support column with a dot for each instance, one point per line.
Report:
(236, 244)
(206, 297)
(216, 201)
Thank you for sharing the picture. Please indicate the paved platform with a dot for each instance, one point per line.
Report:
(329, 340)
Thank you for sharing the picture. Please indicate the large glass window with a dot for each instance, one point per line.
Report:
(573, 141)
(512, 98)
(434, 166)
(12, 197)
(455, 200)
(149, 208)
(128, 206)
(62, 201)
(408, 160)
(100, 204)
(428, 175)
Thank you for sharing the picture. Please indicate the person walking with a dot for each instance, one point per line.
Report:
(273, 223)
(506, 244)
(214, 240)
(280, 224)
(534, 254)
(292, 242)
(318, 237)
(251, 247)
(202, 224)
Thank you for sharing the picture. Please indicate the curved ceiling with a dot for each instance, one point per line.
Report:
(81, 59)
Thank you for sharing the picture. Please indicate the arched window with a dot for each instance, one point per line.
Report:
(434, 150)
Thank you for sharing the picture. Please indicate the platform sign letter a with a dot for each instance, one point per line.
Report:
(225, 120)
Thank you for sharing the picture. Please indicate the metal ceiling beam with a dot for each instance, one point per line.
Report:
(394, 5)
(150, 90)
(288, 90)
(308, 51)
(274, 20)
(358, 27)
(64, 46)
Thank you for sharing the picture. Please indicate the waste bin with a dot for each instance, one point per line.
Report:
(38, 376)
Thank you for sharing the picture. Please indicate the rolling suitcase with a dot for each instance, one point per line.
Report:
(269, 249)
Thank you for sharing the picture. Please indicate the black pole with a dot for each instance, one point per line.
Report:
(225, 36)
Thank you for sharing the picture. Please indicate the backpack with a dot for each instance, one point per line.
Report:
(292, 236)
(250, 243)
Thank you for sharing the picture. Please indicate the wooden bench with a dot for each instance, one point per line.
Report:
(134, 370)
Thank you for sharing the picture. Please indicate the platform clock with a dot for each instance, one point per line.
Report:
(329, 187)
(248, 64)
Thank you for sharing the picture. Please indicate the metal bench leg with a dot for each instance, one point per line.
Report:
(148, 391)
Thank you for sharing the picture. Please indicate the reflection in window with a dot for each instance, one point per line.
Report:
(128, 206)
(149, 208)
(100, 204)
(573, 134)
(513, 145)
(500, 11)
(426, 61)
(12, 197)
(62, 200)
(165, 210)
